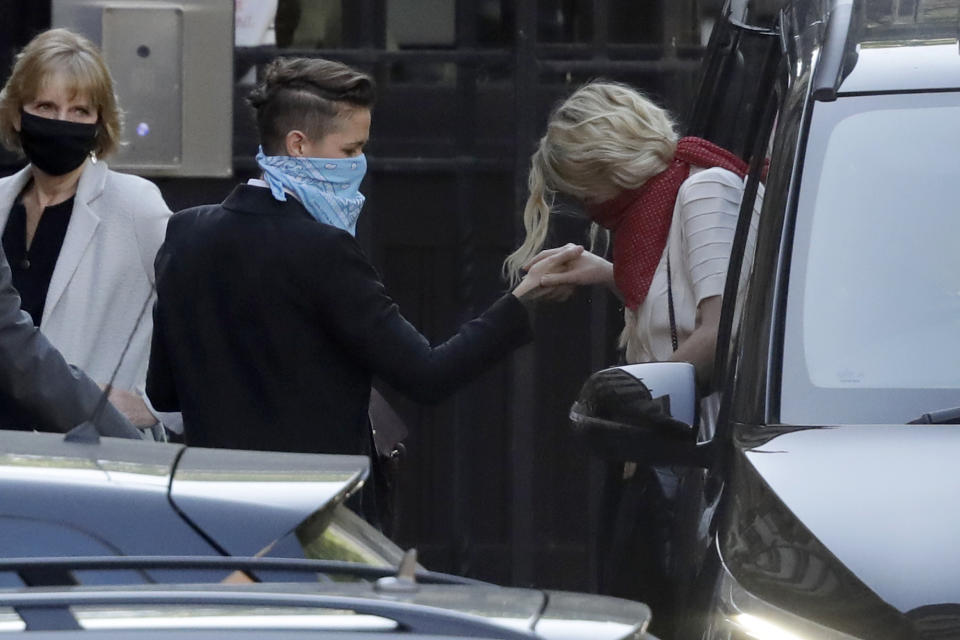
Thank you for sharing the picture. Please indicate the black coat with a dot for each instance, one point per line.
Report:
(269, 326)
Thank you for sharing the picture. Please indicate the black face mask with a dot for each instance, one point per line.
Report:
(54, 146)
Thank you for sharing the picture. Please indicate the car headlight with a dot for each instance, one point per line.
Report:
(740, 615)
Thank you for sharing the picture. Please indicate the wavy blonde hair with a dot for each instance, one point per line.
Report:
(60, 51)
(605, 138)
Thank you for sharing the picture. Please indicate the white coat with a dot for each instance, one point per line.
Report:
(104, 275)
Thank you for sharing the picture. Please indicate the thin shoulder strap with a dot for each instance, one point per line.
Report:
(673, 316)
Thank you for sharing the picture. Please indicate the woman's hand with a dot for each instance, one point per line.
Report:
(132, 407)
(583, 269)
(548, 262)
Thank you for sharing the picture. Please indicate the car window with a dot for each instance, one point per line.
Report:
(350, 538)
(338, 534)
(873, 308)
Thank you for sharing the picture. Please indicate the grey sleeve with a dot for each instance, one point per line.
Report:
(34, 373)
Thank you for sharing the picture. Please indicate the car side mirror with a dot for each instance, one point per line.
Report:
(643, 413)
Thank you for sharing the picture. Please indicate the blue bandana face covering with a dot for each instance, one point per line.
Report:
(329, 188)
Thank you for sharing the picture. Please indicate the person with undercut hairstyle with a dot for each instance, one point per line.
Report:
(270, 321)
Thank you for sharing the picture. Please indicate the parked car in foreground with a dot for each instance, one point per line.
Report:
(391, 607)
(120, 497)
(820, 506)
(108, 538)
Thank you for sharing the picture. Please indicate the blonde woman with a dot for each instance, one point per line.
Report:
(80, 238)
(671, 205)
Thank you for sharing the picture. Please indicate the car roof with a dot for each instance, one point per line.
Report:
(454, 611)
(902, 53)
(331, 596)
(917, 66)
(242, 500)
(119, 461)
(881, 51)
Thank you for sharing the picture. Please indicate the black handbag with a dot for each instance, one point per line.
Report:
(388, 432)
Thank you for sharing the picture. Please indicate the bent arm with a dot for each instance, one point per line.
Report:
(709, 204)
(34, 373)
(700, 347)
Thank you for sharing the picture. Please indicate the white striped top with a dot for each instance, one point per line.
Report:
(699, 243)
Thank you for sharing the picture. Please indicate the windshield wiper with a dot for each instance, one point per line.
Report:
(943, 416)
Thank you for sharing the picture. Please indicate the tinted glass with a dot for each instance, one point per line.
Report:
(873, 310)
(343, 535)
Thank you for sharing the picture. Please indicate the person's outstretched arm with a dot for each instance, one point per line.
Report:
(354, 307)
(33, 373)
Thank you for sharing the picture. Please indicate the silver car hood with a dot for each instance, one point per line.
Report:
(881, 499)
(245, 500)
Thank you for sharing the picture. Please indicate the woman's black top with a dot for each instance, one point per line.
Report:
(32, 268)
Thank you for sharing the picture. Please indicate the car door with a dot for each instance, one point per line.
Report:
(750, 127)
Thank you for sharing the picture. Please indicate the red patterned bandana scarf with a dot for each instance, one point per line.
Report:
(640, 218)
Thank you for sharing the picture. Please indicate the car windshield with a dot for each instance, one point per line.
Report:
(873, 309)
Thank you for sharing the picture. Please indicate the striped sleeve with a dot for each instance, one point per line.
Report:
(708, 203)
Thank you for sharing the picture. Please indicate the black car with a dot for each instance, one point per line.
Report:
(820, 507)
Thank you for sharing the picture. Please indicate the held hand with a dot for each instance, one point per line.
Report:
(132, 407)
(585, 268)
(531, 288)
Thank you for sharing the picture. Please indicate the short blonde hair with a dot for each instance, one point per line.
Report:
(605, 138)
(59, 51)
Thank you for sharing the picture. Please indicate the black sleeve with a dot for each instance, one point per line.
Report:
(160, 383)
(355, 307)
(35, 375)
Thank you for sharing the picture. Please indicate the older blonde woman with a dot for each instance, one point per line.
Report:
(671, 205)
(80, 238)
